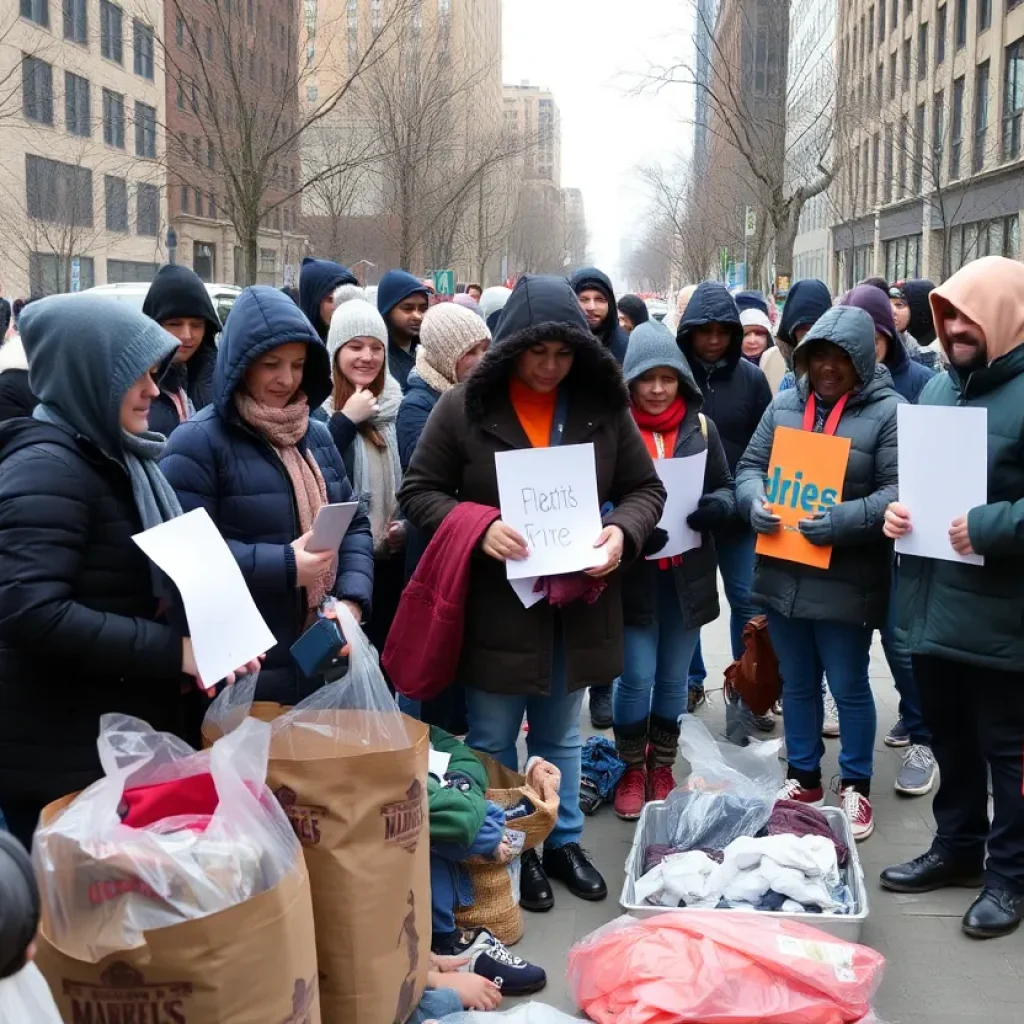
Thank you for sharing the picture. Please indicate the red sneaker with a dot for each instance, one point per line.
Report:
(858, 810)
(660, 783)
(631, 794)
(792, 790)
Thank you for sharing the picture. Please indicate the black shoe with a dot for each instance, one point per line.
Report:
(534, 888)
(571, 866)
(928, 872)
(995, 912)
(601, 707)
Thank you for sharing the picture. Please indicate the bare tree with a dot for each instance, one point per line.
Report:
(536, 242)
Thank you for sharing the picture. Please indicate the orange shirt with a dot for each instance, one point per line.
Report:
(536, 412)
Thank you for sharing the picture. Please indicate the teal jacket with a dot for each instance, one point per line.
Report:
(975, 613)
(457, 810)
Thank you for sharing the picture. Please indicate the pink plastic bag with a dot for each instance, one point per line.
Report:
(714, 968)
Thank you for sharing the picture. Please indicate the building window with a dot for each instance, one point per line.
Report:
(268, 261)
(980, 115)
(37, 11)
(115, 201)
(878, 82)
(984, 15)
(881, 20)
(997, 237)
(199, 202)
(186, 195)
(211, 207)
(36, 89)
(887, 167)
(147, 217)
(142, 36)
(113, 119)
(906, 63)
(903, 258)
(940, 35)
(145, 130)
(895, 13)
(892, 76)
(49, 274)
(195, 99)
(197, 143)
(211, 155)
(110, 31)
(180, 97)
(179, 32)
(58, 193)
(125, 271)
(956, 129)
(1013, 99)
(903, 143)
(208, 35)
(875, 146)
(918, 176)
(922, 51)
(960, 28)
(938, 115)
(76, 21)
(76, 105)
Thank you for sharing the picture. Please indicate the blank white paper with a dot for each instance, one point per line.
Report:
(226, 627)
(684, 482)
(943, 474)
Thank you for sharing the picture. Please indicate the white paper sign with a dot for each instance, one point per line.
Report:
(943, 474)
(684, 482)
(549, 496)
(437, 763)
(226, 627)
(525, 592)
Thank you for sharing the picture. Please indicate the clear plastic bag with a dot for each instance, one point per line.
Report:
(25, 998)
(730, 791)
(356, 711)
(527, 1013)
(732, 969)
(169, 835)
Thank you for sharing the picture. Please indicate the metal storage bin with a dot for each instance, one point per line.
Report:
(844, 926)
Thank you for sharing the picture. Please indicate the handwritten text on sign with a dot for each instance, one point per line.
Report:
(549, 495)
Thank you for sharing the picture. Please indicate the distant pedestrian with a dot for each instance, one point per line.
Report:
(492, 302)
(807, 300)
(403, 302)
(474, 291)
(913, 315)
(594, 290)
(318, 280)
(757, 335)
(632, 313)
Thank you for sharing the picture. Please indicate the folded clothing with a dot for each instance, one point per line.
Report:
(601, 767)
(705, 818)
(789, 817)
(657, 852)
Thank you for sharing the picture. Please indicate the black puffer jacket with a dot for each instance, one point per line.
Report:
(79, 634)
(736, 393)
(179, 292)
(855, 587)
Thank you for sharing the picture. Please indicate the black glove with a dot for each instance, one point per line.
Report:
(709, 514)
(657, 540)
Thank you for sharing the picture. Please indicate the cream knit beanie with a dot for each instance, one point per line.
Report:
(448, 332)
(355, 318)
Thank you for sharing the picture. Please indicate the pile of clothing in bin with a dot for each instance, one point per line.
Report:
(794, 863)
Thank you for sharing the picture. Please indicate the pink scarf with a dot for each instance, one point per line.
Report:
(284, 429)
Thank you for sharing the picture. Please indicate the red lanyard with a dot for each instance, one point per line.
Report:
(832, 422)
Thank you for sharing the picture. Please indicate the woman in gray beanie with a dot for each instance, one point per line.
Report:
(82, 624)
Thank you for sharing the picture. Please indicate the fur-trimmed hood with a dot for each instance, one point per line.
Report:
(545, 308)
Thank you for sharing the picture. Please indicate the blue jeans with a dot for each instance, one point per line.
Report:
(736, 557)
(494, 723)
(657, 658)
(435, 1004)
(807, 649)
(897, 654)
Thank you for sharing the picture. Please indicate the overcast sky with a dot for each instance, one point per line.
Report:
(588, 53)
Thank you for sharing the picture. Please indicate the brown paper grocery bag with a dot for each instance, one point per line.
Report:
(361, 816)
(254, 963)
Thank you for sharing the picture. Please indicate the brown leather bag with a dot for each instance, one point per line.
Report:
(754, 676)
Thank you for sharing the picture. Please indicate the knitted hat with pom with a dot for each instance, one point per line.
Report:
(449, 331)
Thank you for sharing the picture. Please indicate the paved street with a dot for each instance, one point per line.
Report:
(934, 974)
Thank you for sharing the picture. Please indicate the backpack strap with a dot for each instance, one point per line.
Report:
(703, 425)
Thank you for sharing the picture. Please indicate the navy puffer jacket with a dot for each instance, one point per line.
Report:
(217, 462)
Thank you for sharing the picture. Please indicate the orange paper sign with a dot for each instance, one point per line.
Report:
(805, 477)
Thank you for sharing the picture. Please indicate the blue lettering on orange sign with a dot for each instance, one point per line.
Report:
(797, 494)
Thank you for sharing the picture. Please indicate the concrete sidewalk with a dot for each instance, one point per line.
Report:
(934, 974)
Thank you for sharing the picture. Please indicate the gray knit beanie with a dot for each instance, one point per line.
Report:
(650, 345)
(355, 318)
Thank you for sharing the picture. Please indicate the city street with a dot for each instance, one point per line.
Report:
(934, 974)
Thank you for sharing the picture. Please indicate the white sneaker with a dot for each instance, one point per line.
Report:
(792, 790)
(858, 810)
(830, 726)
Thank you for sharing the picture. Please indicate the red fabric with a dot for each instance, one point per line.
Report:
(425, 641)
(832, 422)
(568, 587)
(195, 796)
(663, 422)
(668, 443)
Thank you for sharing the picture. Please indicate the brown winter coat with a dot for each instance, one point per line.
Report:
(507, 648)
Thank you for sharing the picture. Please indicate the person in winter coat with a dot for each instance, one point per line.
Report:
(675, 314)
(664, 603)
(736, 394)
(403, 302)
(262, 470)
(16, 398)
(318, 280)
(632, 313)
(492, 302)
(822, 620)
(594, 290)
(807, 300)
(757, 335)
(537, 661)
(963, 621)
(81, 628)
(912, 313)
(363, 408)
(179, 302)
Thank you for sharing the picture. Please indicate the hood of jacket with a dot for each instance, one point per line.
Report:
(876, 304)
(395, 286)
(263, 318)
(12, 354)
(317, 279)
(591, 277)
(991, 292)
(652, 344)
(84, 353)
(543, 308)
(494, 299)
(751, 299)
(807, 300)
(853, 330)
(921, 325)
(711, 303)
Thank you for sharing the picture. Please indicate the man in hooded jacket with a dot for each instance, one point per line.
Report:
(317, 281)
(594, 290)
(963, 621)
(179, 302)
(403, 301)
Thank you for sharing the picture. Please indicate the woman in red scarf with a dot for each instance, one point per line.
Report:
(666, 601)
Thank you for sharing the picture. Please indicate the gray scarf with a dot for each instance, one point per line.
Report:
(154, 497)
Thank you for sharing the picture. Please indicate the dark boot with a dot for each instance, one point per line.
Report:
(601, 707)
(664, 737)
(631, 792)
(994, 913)
(534, 888)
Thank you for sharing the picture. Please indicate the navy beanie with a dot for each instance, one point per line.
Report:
(395, 286)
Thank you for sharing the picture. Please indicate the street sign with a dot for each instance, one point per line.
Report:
(750, 223)
(76, 273)
(444, 282)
